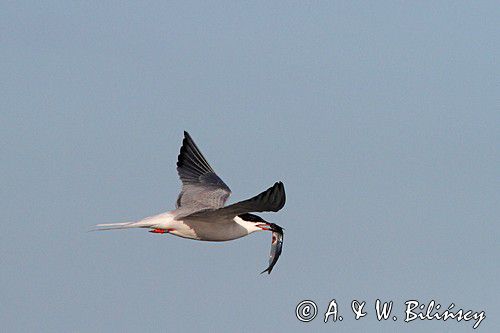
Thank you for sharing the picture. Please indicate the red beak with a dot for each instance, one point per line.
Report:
(264, 226)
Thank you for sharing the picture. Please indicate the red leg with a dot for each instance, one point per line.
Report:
(161, 231)
(158, 231)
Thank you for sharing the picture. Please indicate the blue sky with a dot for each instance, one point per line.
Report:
(380, 118)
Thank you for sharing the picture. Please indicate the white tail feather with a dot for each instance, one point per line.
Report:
(122, 225)
(148, 222)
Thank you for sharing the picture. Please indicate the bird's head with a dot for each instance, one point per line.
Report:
(254, 223)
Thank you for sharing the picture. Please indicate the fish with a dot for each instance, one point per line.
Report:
(276, 247)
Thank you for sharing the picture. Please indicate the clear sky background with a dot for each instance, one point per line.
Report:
(382, 120)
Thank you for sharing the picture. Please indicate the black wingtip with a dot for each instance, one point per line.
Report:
(191, 164)
(279, 187)
(187, 138)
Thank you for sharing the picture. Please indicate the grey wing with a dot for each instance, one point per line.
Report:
(271, 200)
(201, 187)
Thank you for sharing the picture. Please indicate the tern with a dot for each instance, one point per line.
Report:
(201, 213)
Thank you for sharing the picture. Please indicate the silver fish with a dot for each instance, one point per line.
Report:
(276, 246)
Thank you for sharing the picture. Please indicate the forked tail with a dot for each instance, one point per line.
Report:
(122, 225)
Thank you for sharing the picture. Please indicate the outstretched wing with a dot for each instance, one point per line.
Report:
(271, 200)
(201, 187)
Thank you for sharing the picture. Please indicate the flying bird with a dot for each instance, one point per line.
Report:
(201, 213)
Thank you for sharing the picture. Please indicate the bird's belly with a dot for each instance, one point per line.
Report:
(178, 228)
(207, 231)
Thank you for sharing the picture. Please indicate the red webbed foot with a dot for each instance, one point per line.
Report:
(159, 231)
